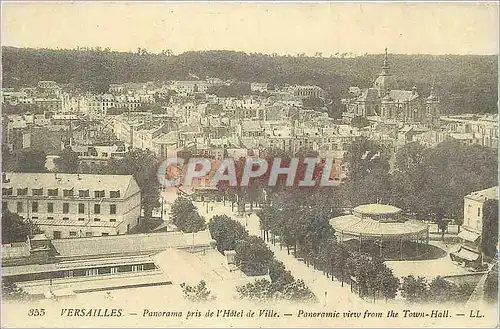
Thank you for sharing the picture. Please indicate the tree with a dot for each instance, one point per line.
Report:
(414, 290)
(298, 291)
(141, 164)
(198, 293)
(261, 290)
(368, 173)
(226, 231)
(491, 285)
(444, 291)
(360, 122)
(253, 257)
(489, 236)
(280, 276)
(29, 160)
(185, 216)
(10, 290)
(387, 283)
(67, 162)
(15, 228)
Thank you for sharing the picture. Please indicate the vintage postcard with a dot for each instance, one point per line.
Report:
(249, 164)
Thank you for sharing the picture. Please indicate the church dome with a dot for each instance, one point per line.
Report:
(385, 82)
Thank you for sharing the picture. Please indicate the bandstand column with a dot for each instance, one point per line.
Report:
(381, 240)
(401, 248)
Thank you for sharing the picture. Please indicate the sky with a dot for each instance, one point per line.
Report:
(283, 28)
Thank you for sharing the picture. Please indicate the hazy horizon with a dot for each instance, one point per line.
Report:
(282, 28)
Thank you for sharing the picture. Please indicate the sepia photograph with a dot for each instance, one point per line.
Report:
(249, 164)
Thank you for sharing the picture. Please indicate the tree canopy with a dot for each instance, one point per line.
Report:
(464, 83)
(15, 228)
(185, 216)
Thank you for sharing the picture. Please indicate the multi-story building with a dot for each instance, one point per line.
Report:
(74, 205)
(475, 214)
(258, 86)
(309, 91)
(49, 104)
(99, 104)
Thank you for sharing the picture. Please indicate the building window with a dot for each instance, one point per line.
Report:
(81, 208)
(136, 268)
(37, 191)
(81, 219)
(4, 205)
(104, 234)
(478, 211)
(7, 191)
(65, 218)
(19, 207)
(53, 192)
(68, 192)
(99, 194)
(57, 234)
(68, 274)
(50, 207)
(50, 218)
(22, 191)
(97, 219)
(65, 208)
(72, 234)
(88, 234)
(34, 206)
(97, 208)
(92, 272)
(114, 194)
(112, 209)
(114, 270)
(83, 193)
(112, 220)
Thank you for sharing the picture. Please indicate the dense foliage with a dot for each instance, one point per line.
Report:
(10, 291)
(198, 293)
(464, 83)
(439, 290)
(254, 258)
(15, 228)
(185, 216)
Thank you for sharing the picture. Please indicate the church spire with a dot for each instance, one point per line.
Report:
(385, 67)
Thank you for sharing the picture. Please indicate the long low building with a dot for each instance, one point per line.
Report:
(40, 265)
(74, 205)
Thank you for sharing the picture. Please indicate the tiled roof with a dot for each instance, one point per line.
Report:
(370, 94)
(402, 95)
(483, 195)
(128, 243)
(375, 208)
(75, 223)
(77, 182)
(353, 225)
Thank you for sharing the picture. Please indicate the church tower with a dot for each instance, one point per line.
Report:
(433, 107)
(385, 80)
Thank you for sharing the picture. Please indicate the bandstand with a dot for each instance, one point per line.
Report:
(381, 224)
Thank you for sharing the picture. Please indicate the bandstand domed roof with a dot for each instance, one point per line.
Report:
(365, 227)
(376, 209)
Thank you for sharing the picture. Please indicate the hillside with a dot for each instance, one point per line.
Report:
(464, 83)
